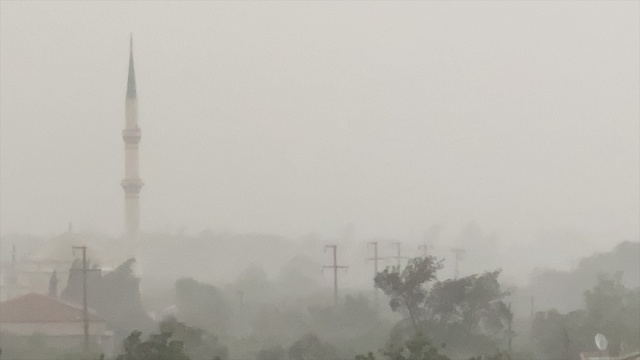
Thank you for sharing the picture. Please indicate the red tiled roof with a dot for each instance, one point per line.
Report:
(39, 308)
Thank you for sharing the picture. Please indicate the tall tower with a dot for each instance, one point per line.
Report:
(131, 184)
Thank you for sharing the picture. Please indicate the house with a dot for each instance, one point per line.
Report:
(61, 323)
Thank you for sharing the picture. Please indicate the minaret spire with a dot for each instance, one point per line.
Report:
(131, 184)
(131, 80)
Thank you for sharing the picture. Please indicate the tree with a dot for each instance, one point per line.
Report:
(272, 353)
(157, 347)
(611, 309)
(474, 301)
(310, 347)
(198, 344)
(614, 310)
(114, 296)
(407, 288)
(468, 314)
(417, 348)
(118, 299)
(202, 305)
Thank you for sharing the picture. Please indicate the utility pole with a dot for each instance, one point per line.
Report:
(241, 296)
(13, 259)
(335, 268)
(14, 274)
(510, 336)
(532, 308)
(425, 249)
(375, 259)
(398, 257)
(85, 304)
(458, 257)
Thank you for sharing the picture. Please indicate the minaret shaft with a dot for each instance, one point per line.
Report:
(131, 184)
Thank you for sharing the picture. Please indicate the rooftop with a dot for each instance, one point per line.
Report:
(37, 308)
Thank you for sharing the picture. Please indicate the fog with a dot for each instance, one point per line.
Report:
(273, 129)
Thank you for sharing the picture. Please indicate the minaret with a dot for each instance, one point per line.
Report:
(131, 183)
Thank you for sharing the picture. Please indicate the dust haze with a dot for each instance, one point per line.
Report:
(270, 130)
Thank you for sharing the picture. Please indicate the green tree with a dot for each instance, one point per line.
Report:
(611, 309)
(417, 348)
(310, 347)
(272, 353)
(157, 347)
(198, 344)
(114, 296)
(467, 314)
(407, 288)
(202, 305)
(614, 310)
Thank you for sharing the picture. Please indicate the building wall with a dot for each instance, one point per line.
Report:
(65, 335)
(53, 328)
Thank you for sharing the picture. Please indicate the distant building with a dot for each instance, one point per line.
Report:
(33, 273)
(59, 322)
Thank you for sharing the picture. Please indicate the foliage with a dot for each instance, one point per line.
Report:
(119, 299)
(272, 353)
(157, 347)
(611, 309)
(310, 347)
(197, 343)
(115, 296)
(407, 288)
(497, 356)
(614, 310)
(417, 348)
(273, 325)
(468, 314)
(299, 276)
(473, 301)
(352, 315)
(553, 337)
(563, 290)
(353, 325)
(202, 305)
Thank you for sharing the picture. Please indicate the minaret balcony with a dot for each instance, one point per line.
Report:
(131, 186)
(131, 136)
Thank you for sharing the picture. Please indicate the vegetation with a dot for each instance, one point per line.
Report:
(290, 318)
(467, 314)
(115, 296)
(202, 305)
(406, 288)
(610, 308)
(157, 347)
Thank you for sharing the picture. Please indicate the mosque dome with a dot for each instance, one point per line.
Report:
(59, 250)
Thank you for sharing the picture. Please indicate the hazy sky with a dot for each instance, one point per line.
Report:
(292, 117)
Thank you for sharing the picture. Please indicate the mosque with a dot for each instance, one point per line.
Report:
(49, 262)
